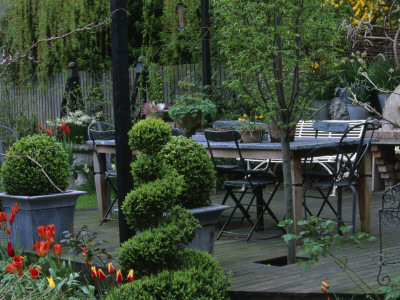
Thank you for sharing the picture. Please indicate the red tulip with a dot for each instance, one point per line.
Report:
(18, 264)
(94, 272)
(13, 211)
(10, 268)
(3, 217)
(41, 231)
(10, 250)
(11, 219)
(131, 275)
(63, 125)
(48, 131)
(49, 237)
(42, 248)
(34, 272)
(57, 248)
(8, 229)
(119, 276)
(52, 229)
(86, 264)
(67, 130)
(40, 127)
(111, 268)
(16, 209)
(102, 276)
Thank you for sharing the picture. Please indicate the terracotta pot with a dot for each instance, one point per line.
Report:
(189, 124)
(252, 136)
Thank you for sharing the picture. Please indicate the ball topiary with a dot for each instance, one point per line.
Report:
(159, 248)
(199, 277)
(191, 160)
(21, 176)
(149, 135)
(148, 168)
(144, 206)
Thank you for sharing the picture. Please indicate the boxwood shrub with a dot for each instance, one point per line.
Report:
(149, 135)
(191, 160)
(21, 176)
(144, 206)
(158, 248)
(199, 277)
(148, 168)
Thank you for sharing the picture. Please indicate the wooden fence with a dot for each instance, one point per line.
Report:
(44, 100)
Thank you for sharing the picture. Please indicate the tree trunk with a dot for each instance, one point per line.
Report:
(288, 192)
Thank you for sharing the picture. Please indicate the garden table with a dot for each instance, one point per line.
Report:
(266, 150)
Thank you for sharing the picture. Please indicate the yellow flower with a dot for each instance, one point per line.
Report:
(51, 282)
(244, 116)
(391, 70)
(260, 117)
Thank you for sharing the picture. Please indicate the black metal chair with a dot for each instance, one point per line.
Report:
(389, 222)
(345, 172)
(104, 131)
(254, 181)
(7, 136)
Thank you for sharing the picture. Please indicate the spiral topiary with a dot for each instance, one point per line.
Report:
(191, 160)
(21, 176)
(149, 135)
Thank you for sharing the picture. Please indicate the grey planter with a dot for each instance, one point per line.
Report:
(208, 217)
(57, 209)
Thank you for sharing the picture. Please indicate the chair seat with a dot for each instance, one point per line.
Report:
(256, 182)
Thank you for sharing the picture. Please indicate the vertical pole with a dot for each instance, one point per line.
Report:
(120, 77)
(205, 42)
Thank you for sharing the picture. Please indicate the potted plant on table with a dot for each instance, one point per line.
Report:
(35, 175)
(251, 128)
(188, 111)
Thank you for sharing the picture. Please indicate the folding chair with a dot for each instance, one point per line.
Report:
(104, 131)
(7, 135)
(254, 181)
(345, 172)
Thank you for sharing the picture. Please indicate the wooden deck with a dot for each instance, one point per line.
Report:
(252, 280)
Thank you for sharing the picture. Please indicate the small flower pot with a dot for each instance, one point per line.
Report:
(57, 209)
(252, 136)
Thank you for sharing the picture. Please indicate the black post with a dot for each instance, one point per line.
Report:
(120, 74)
(205, 42)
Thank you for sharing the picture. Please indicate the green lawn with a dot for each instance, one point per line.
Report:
(87, 200)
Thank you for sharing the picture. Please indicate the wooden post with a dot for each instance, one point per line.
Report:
(120, 75)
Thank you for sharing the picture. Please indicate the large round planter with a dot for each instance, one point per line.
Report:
(57, 209)
(189, 124)
(208, 218)
(252, 136)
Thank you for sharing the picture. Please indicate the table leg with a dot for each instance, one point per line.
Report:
(297, 191)
(100, 184)
(364, 192)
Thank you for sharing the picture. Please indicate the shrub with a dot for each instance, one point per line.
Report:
(149, 135)
(148, 168)
(21, 176)
(200, 277)
(157, 248)
(143, 207)
(191, 160)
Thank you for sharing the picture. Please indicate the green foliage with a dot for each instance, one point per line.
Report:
(187, 104)
(144, 206)
(199, 277)
(21, 176)
(157, 248)
(25, 126)
(28, 21)
(192, 161)
(149, 135)
(283, 46)
(384, 74)
(148, 168)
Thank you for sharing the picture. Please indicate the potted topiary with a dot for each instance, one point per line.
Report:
(170, 171)
(35, 175)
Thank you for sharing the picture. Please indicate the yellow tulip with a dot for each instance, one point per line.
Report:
(51, 282)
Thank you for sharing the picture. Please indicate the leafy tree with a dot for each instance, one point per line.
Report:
(275, 50)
